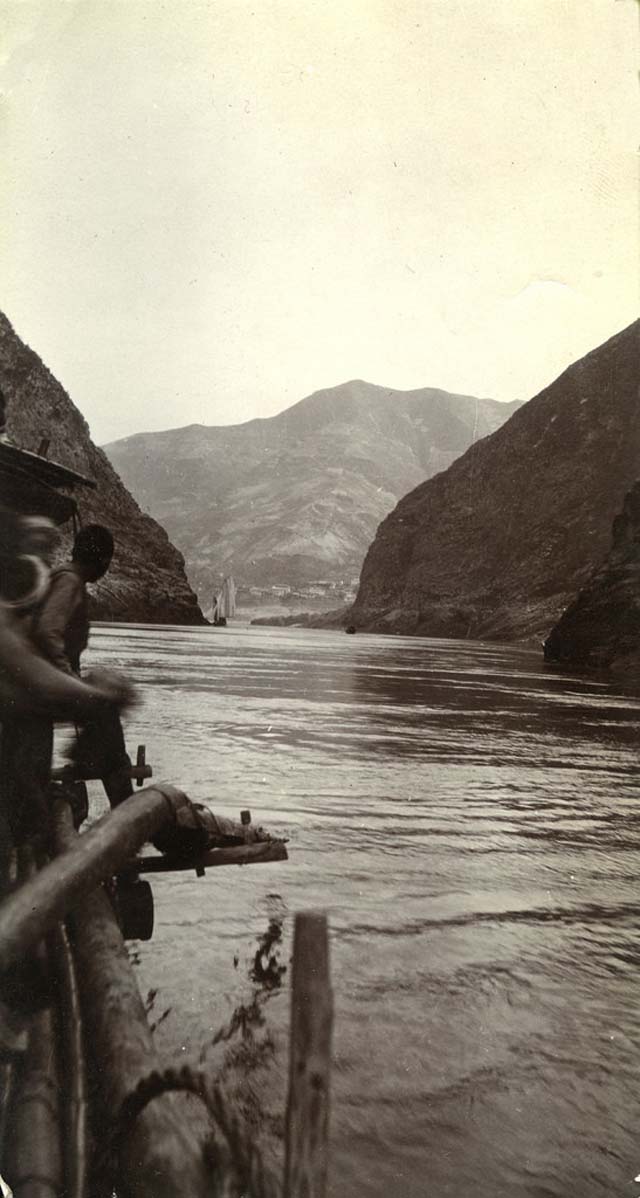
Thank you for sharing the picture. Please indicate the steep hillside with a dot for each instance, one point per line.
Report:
(500, 543)
(298, 496)
(602, 626)
(147, 581)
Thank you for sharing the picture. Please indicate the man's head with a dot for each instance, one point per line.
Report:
(41, 537)
(92, 551)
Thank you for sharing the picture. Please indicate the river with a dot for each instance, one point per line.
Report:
(468, 819)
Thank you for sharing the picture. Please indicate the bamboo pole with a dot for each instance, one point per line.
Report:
(34, 1164)
(32, 911)
(34, 1167)
(162, 1148)
(7, 1085)
(72, 1068)
(309, 1060)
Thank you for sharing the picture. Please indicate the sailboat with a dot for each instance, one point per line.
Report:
(224, 603)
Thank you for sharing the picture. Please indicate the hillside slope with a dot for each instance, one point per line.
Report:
(298, 496)
(602, 626)
(146, 582)
(499, 544)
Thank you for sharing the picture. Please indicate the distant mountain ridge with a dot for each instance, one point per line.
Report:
(146, 582)
(499, 544)
(298, 496)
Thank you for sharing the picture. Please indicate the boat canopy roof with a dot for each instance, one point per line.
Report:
(31, 484)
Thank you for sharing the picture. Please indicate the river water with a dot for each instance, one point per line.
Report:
(469, 821)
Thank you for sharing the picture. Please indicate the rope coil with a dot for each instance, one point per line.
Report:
(255, 1178)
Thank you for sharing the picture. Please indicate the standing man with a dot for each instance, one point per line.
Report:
(60, 630)
(33, 693)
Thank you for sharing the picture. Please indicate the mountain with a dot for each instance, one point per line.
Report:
(298, 497)
(602, 626)
(498, 545)
(146, 582)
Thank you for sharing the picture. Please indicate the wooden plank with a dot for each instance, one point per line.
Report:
(309, 1060)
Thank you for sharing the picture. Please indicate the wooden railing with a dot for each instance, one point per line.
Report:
(159, 1124)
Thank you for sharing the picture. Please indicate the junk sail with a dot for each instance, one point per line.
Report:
(224, 604)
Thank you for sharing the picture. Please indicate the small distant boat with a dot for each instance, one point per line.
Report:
(224, 603)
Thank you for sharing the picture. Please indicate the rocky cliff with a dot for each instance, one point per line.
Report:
(146, 582)
(602, 626)
(498, 545)
(298, 497)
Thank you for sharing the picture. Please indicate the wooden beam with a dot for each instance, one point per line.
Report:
(309, 1060)
(240, 854)
(162, 1149)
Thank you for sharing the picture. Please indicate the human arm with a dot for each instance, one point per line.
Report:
(29, 683)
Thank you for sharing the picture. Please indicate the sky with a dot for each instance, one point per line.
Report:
(212, 209)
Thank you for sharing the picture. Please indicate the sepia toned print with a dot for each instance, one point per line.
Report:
(319, 554)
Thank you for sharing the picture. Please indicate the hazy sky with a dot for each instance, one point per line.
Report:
(213, 209)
